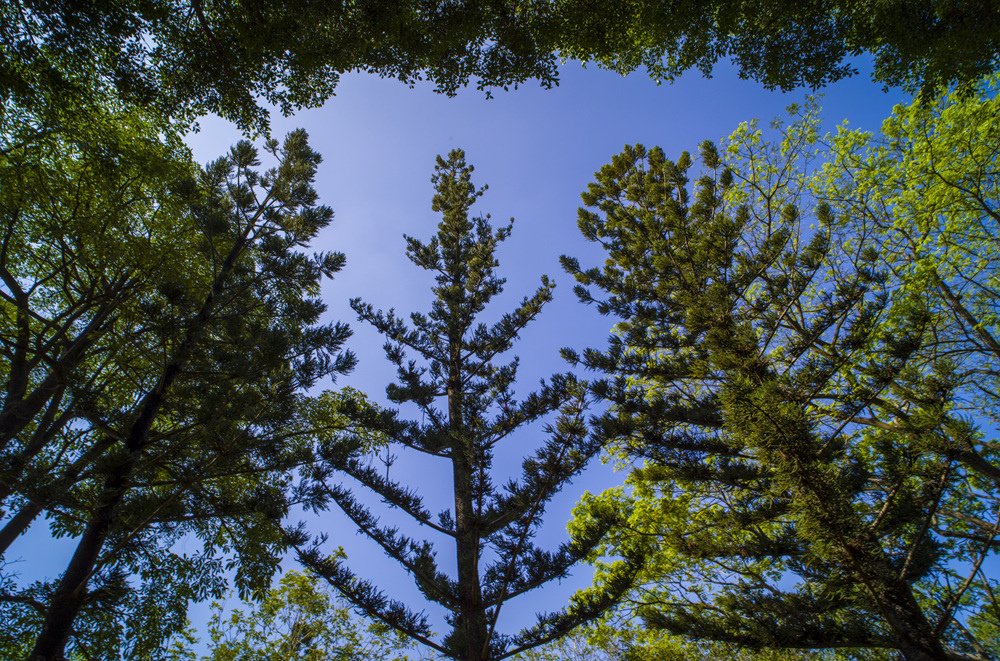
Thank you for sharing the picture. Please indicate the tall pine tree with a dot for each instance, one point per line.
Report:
(764, 379)
(464, 390)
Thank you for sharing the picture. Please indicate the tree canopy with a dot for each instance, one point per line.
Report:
(193, 57)
(173, 349)
(297, 619)
(785, 44)
(794, 373)
(802, 377)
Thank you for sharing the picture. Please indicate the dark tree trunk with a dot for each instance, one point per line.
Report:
(865, 558)
(72, 590)
(16, 526)
(914, 634)
(18, 413)
(472, 615)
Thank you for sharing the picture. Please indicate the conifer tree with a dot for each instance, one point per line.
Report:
(463, 389)
(776, 399)
(200, 439)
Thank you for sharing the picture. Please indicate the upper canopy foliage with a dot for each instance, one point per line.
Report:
(804, 368)
(192, 57)
(189, 58)
(917, 44)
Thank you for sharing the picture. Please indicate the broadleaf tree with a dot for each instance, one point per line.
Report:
(299, 618)
(190, 58)
(921, 44)
(925, 188)
(458, 380)
(89, 231)
(187, 58)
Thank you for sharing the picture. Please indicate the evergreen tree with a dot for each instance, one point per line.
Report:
(775, 394)
(464, 393)
(200, 439)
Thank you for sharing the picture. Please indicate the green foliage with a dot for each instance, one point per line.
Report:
(928, 44)
(184, 416)
(926, 190)
(620, 637)
(187, 58)
(195, 57)
(89, 229)
(297, 619)
(464, 392)
(789, 392)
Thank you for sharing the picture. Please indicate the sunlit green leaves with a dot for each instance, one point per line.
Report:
(786, 374)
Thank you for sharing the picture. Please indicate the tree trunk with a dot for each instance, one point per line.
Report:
(16, 526)
(894, 598)
(17, 414)
(471, 617)
(864, 557)
(71, 592)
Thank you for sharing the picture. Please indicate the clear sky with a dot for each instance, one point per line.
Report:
(537, 149)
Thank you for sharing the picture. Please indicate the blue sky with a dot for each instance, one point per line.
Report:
(537, 149)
